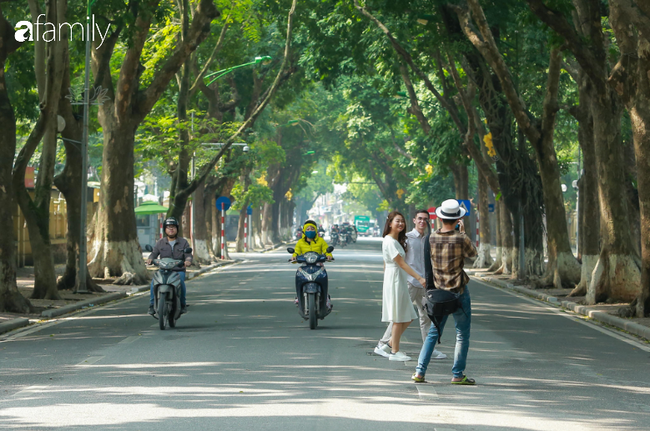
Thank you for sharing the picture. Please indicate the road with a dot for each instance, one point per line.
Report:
(242, 358)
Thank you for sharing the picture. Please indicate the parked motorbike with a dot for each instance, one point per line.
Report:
(167, 290)
(311, 286)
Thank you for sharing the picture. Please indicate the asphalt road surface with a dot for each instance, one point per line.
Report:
(242, 358)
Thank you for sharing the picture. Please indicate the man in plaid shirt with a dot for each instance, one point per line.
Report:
(449, 248)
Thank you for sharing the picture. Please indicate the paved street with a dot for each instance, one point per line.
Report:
(244, 359)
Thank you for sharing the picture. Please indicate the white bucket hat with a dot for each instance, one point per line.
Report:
(450, 210)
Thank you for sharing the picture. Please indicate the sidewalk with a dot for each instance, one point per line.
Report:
(44, 309)
(608, 314)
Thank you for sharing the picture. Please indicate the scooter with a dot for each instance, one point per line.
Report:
(167, 290)
(343, 238)
(334, 238)
(311, 286)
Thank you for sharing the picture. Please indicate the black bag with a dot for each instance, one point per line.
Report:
(441, 303)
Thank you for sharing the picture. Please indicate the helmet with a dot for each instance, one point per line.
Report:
(311, 222)
(171, 221)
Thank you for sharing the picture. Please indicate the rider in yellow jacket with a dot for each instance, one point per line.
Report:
(311, 241)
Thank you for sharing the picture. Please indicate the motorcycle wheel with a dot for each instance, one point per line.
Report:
(172, 321)
(313, 318)
(162, 313)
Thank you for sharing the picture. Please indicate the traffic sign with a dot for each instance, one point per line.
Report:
(225, 200)
(432, 213)
(465, 203)
(249, 210)
(491, 208)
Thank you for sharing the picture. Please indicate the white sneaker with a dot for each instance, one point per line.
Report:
(399, 356)
(438, 355)
(382, 350)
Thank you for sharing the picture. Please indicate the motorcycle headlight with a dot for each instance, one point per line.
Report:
(311, 257)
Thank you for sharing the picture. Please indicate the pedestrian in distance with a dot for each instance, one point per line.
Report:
(449, 248)
(174, 247)
(415, 258)
(396, 302)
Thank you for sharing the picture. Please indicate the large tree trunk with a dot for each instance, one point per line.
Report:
(37, 210)
(617, 274)
(10, 298)
(243, 216)
(68, 182)
(631, 78)
(562, 266)
(484, 259)
(115, 248)
(589, 206)
(201, 250)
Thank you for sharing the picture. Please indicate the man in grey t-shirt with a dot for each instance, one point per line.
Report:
(415, 258)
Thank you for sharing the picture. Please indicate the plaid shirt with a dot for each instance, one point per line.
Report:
(448, 253)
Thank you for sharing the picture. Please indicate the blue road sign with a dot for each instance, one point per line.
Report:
(249, 210)
(491, 208)
(464, 203)
(225, 200)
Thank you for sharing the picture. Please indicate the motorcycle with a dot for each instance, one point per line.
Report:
(311, 286)
(343, 238)
(298, 234)
(334, 238)
(167, 290)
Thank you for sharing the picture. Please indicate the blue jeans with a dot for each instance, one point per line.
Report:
(182, 275)
(463, 320)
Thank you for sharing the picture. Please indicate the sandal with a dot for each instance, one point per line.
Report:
(464, 381)
(417, 379)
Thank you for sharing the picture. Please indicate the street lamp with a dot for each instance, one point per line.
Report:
(264, 60)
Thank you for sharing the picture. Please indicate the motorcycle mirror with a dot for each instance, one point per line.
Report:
(290, 250)
(188, 250)
(330, 249)
(148, 248)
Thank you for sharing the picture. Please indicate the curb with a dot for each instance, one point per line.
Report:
(601, 316)
(53, 312)
(13, 324)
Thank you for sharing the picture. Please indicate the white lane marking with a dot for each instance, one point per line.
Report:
(90, 360)
(571, 315)
(128, 340)
(30, 390)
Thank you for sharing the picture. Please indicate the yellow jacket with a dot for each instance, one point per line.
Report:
(318, 245)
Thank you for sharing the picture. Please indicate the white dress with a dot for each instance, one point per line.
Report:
(396, 305)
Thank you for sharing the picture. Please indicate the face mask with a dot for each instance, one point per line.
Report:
(311, 234)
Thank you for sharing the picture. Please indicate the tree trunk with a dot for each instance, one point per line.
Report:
(617, 274)
(507, 240)
(589, 207)
(631, 78)
(115, 248)
(201, 251)
(484, 259)
(11, 299)
(257, 227)
(243, 216)
(37, 210)
(498, 262)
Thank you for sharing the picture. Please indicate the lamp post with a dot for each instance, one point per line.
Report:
(82, 288)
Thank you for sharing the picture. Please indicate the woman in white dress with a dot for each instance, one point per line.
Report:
(396, 302)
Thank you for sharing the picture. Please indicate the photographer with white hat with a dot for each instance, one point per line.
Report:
(449, 248)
